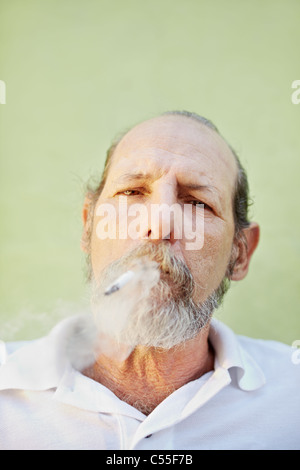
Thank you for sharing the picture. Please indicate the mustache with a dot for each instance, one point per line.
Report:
(173, 270)
(155, 308)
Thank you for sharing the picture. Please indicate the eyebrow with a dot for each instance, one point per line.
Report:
(127, 177)
(140, 176)
(199, 187)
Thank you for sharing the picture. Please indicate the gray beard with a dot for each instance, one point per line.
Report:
(154, 311)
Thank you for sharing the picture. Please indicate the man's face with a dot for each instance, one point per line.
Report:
(173, 160)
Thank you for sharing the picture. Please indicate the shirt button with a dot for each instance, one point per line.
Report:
(149, 435)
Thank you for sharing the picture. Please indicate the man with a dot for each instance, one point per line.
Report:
(155, 371)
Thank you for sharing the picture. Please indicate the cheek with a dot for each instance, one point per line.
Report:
(209, 264)
(115, 232)
(106, 250)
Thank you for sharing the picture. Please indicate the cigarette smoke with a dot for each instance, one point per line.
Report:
(154, 309)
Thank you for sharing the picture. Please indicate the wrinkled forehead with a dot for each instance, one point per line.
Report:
(188, 141)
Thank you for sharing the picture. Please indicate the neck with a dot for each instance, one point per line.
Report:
(149, 375)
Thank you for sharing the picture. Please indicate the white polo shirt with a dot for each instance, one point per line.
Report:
(250, 401)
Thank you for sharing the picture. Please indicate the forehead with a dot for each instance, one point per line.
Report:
(178, 144)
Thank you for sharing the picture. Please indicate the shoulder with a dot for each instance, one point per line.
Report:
(10, 347)
(276, 359)
(264, 346)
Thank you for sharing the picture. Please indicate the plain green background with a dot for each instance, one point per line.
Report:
(78, 72)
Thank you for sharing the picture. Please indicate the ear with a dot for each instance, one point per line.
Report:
(245, 247)
(87, 220)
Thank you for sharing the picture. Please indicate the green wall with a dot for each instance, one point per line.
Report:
(79, 72)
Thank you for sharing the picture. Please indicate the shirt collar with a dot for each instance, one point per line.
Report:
(231, 356)
(34, 365)
(41, 364)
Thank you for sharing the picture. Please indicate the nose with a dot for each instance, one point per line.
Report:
(162, 214)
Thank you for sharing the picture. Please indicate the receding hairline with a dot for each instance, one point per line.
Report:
(196, 118)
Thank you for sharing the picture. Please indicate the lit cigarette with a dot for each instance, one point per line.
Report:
(119, 283)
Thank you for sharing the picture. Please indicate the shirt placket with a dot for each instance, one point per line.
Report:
(163, 417)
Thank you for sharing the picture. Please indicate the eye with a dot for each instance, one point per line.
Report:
(201, 203)
(130, 192)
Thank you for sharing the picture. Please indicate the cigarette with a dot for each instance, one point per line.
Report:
(119, 283)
